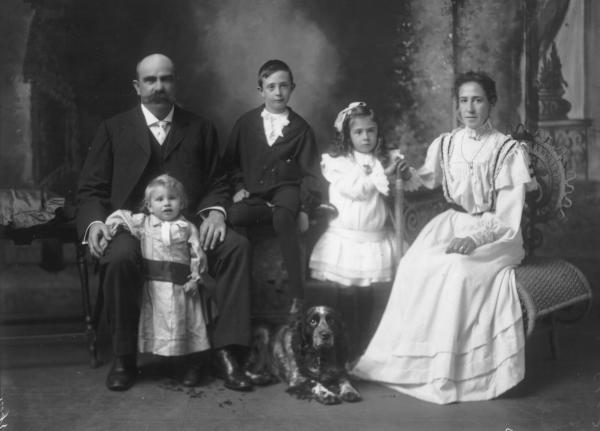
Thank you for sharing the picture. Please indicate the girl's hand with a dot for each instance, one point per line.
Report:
(401, 164)
(462, 246)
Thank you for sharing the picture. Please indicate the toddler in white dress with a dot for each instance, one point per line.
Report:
(172, 320)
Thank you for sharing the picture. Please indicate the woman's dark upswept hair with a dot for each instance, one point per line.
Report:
(342, 144)
(483, 79)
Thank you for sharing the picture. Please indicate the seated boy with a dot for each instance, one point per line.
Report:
(273, 165)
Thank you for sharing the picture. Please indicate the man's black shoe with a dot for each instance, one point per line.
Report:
(229, 370)
(122, 373)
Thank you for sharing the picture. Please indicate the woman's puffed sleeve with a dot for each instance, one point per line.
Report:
(350, 180)
(515, 169)
(134, 223)
(430, 173)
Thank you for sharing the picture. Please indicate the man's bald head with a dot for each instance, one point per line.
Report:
(153, 61)
(155, 83)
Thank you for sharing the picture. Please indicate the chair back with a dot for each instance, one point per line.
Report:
(548, 198)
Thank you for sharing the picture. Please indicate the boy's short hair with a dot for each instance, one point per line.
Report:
(169, 183)
(272, 66)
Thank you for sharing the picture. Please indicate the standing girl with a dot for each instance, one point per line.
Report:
(358, 247)
(172, 317)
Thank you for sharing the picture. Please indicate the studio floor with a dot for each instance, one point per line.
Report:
(50, 386)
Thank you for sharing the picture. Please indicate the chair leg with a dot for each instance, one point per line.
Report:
(90, 327)
(553, 338)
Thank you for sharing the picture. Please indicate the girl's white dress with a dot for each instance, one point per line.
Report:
(452, 329)
(358, 248)
(171, 320)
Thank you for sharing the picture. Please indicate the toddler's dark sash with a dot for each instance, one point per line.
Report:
(161, 270)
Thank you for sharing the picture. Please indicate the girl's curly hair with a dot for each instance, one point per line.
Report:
(342, 143)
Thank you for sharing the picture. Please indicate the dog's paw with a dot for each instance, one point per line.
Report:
(261, 379)
(351, 395)
(324, 395)
(348, 392)
(301, 390)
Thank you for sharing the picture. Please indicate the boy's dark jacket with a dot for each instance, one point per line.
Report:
(259, 168)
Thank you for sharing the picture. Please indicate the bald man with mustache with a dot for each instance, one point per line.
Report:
(158, 137)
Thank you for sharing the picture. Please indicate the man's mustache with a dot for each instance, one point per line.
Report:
(159, 97)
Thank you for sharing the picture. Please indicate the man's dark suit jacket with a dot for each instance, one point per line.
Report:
(121, 151)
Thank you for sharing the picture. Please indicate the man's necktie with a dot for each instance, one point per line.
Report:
(161, 131)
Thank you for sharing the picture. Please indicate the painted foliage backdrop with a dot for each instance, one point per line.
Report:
(400, 56)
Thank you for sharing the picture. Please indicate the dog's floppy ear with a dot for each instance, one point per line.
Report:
(297, 328)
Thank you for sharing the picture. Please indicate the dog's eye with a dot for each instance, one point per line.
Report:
(313, 321)
(329, 319)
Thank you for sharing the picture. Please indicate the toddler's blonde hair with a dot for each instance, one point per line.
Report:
(169, 183)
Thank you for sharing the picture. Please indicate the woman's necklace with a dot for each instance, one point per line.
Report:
(470, 162)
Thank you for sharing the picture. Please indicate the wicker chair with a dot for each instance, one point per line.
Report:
(551, 290)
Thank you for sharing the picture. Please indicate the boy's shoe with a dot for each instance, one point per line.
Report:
(122, 373)
(228, 369)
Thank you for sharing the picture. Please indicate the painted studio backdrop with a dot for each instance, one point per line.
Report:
(69, 63)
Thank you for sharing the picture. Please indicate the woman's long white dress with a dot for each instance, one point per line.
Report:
(452, 329)
(358, 247)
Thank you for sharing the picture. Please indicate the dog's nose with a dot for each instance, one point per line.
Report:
(325, 335)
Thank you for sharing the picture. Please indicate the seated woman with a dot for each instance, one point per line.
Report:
(452, 329)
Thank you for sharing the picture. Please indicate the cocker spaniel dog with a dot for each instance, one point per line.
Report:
(309, 354)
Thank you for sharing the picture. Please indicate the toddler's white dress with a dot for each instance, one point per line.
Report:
(358, 247)
(172, 322)
(452, 329)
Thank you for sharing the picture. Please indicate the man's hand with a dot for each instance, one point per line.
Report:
(212, 230)
(98, 237)
(462, 246)
(240, 195)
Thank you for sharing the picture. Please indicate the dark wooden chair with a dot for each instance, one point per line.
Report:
(63, 231)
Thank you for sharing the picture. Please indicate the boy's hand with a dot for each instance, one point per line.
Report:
(98, 237)
(303, 221)
(212, 230)
(240, 195)
(462, 246)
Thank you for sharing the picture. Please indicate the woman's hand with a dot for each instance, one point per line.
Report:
(462, 246)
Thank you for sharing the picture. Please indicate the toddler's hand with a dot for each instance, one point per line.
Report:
(240, 195)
